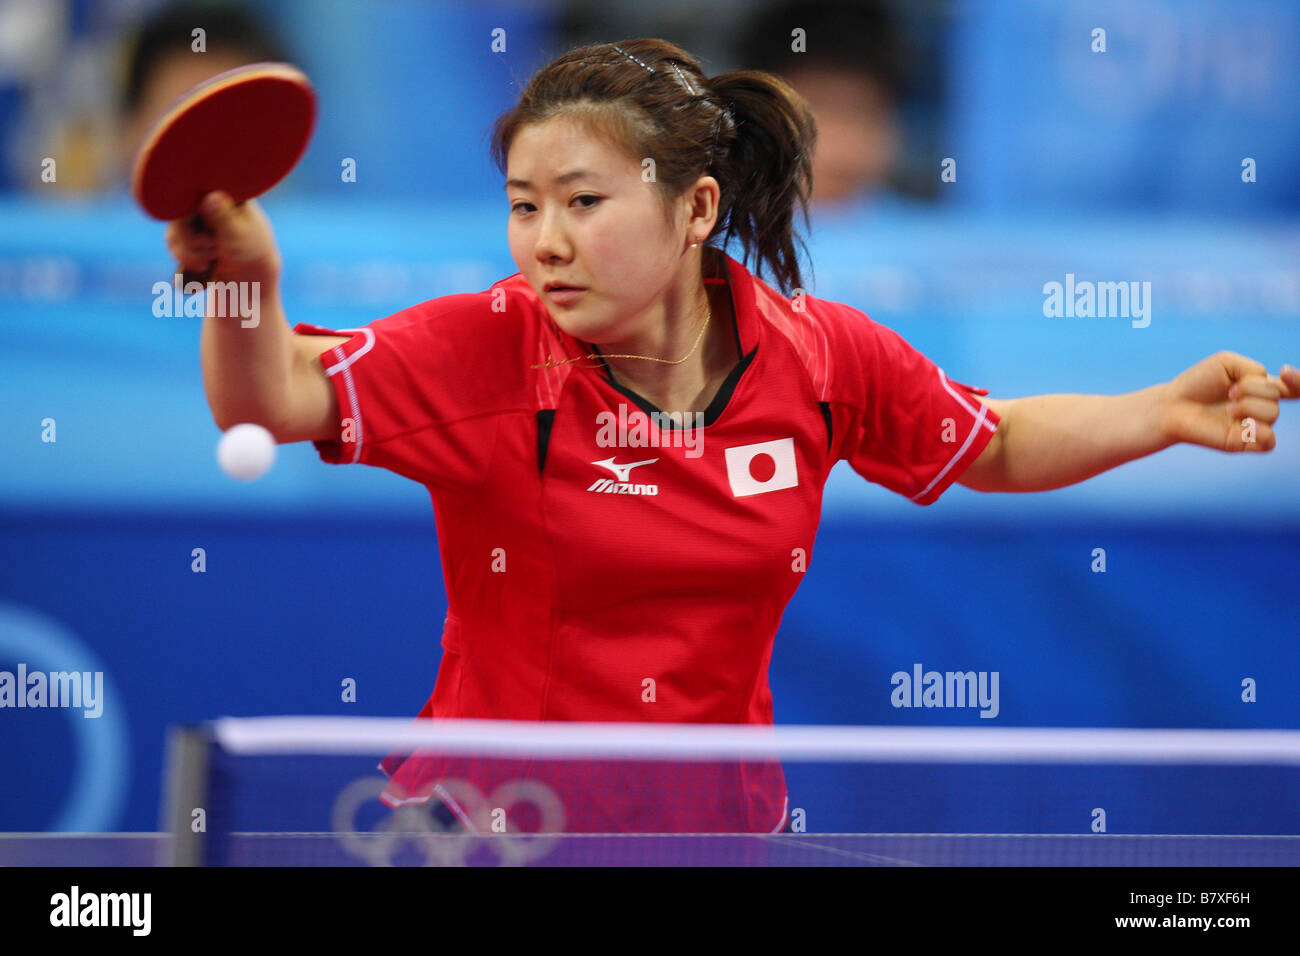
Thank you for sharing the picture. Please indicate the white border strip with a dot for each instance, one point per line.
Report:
(376, 735)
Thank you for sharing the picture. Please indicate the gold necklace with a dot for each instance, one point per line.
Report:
(550, 361)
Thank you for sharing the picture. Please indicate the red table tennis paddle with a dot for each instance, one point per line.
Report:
(241, 132)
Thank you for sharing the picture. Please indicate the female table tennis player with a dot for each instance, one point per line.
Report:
(602, 564)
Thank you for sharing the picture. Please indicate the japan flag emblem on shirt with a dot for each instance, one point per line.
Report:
(766, 466)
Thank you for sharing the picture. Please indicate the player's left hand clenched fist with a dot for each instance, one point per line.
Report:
(1228, 402)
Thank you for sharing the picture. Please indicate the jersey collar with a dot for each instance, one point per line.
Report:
(742, 303)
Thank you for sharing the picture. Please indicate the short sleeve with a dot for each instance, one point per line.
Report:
(918, 430)
(415, 392)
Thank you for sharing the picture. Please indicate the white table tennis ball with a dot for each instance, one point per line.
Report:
(246, 452)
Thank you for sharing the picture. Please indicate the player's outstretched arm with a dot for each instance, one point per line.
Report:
(254, 368)
(246, 360)
(1227, 402)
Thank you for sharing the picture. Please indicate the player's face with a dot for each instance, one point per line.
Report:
(604, 231)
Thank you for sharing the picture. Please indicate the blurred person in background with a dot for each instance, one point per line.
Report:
(121, 74)
(162, 63)
(850, 65)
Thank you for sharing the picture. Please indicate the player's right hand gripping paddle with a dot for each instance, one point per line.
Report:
(241, 132)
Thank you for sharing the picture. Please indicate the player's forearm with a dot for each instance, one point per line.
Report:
(248, 365)
(1049, 441)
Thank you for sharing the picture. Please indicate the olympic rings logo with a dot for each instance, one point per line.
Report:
(415, 825)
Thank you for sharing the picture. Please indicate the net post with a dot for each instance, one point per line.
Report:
(186, 787)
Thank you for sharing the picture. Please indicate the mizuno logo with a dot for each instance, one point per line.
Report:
(620, 484)
(621, 472)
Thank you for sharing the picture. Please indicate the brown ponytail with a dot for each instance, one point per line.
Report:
(748, 129)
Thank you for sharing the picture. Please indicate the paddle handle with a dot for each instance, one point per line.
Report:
(200, 276)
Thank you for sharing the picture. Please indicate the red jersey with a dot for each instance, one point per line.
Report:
(602, 564)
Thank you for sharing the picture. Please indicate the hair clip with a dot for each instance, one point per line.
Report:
(631, 57)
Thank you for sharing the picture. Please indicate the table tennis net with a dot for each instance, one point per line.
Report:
(335, 791)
